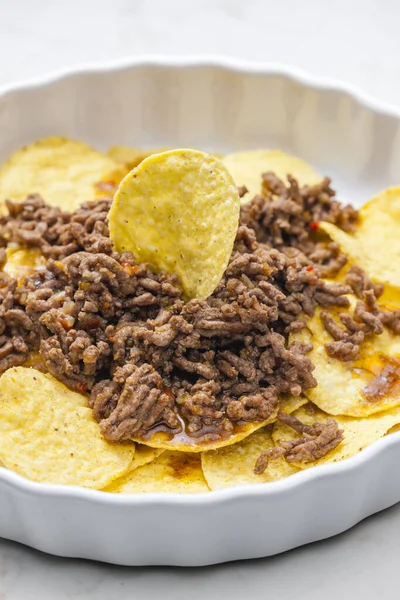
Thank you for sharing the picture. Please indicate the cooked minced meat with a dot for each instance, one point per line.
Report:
(287, 215)
(109, 327)
(18, 331)
(315, 441)
(368, 318)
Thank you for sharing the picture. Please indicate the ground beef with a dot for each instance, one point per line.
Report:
(315, 441)
(110, 327)
(288, 216)
(350, 331)
(133, 403)
(219, 358)
(56, 233)
(18, 332)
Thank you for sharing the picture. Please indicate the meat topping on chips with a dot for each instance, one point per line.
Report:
(287, 215)
(368, 318)
(315, 441)
(18, 331)
(109, 326)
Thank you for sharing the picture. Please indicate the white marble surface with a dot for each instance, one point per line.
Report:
(356, 41)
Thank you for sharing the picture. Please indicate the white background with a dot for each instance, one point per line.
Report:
(357, 41)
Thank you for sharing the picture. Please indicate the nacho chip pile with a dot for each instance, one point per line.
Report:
(246, 168)
(64, 172)
(375, 245)
(178, 210)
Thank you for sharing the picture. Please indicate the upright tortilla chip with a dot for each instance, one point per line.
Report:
(343, 386)
(234, 465)
(358, 432)
(63, 171)
(49, 435)
(247, 167)
(175, 472)
(375, 244)
(130, 158)
(178, 211)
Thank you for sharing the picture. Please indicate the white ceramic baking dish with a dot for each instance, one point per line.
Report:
(223, 106)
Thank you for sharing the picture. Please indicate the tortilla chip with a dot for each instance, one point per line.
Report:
(191, 444)
(132, 157)
(247, 167)
(22, 262)
(171, 472)
(358, 433)
(375, 245)
(289, 403)
(49, 435)
(393, 429)
(341, 384)
(234, 465)
(64, 172)
(178, 211)
(143, 456)
(210, 441)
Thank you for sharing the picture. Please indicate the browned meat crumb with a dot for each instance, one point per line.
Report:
(18, 332)
(138, 403)
(368, 318)
(315, 442)
(242, 191)
(359, 282)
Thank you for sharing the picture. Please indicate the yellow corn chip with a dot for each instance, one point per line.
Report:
(131, 157)
(178, 211)
(64, 172)
(143, 456)
(22, 262)
(171, 472)
(49, 435)
(289, 403)
(375, 245)
(191, 444)
(343, 386)
(187, 443)
(393, 429)
(358, 433)
(247, 167)
(234, 465)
